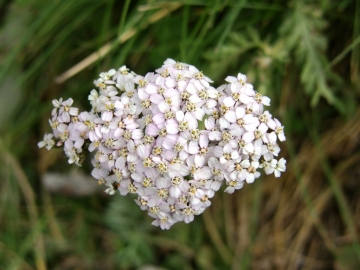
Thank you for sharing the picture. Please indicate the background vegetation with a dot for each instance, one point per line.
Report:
(304, 55)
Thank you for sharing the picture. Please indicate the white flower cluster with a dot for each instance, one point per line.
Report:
(170, 137)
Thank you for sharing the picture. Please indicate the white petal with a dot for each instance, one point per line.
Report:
(41, 144)
(265, 100)
(199, 114)
(151, 89)
(156, 98)
(164, 106)
(229, 190)
(212, 162)
(231, 79)
(212, 93)
(245, 163)
(192, 122)
(159, 118)
(230, 116)
(142, 94)
(193, 147)
(170, 82)
(250, 178)
(271, 124)
(218, 151)
(211, 103)
(137, 134)
(248, 137)
(215, 135)
(200, 162)
(246, 99)
(209, 123)
(250, 148)
(191, 89)
(195, 99)
(174, 192)
(180, 116)
(224, 124)
(229, 101)
(203, 140)
(172, 128)
(282, 137)
(107, 116)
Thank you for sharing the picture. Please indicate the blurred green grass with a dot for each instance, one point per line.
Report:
(304, 55)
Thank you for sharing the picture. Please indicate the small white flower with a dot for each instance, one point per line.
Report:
(233, 185)
(280, 167)
(107, 75)
(94, 95)
(73, 157)
(66, 110)
(57, 103)
(241, 79)
(48, 141)
(110, 190)
(268, 166)
(252, 173)
(279, 130)
(123, 76)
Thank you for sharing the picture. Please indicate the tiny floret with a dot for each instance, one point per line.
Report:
(48, 142)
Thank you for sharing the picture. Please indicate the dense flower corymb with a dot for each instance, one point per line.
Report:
(170, 137)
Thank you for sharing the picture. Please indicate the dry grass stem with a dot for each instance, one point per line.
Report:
(104, 50)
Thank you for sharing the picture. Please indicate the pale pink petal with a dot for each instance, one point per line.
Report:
(107, 116)
(143, 94)
(169, 142)
(159, 118)
(142, 151)
(156, 98)
(163, 106)
(152, 130)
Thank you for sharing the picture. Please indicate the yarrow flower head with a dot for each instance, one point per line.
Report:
(170, 137)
